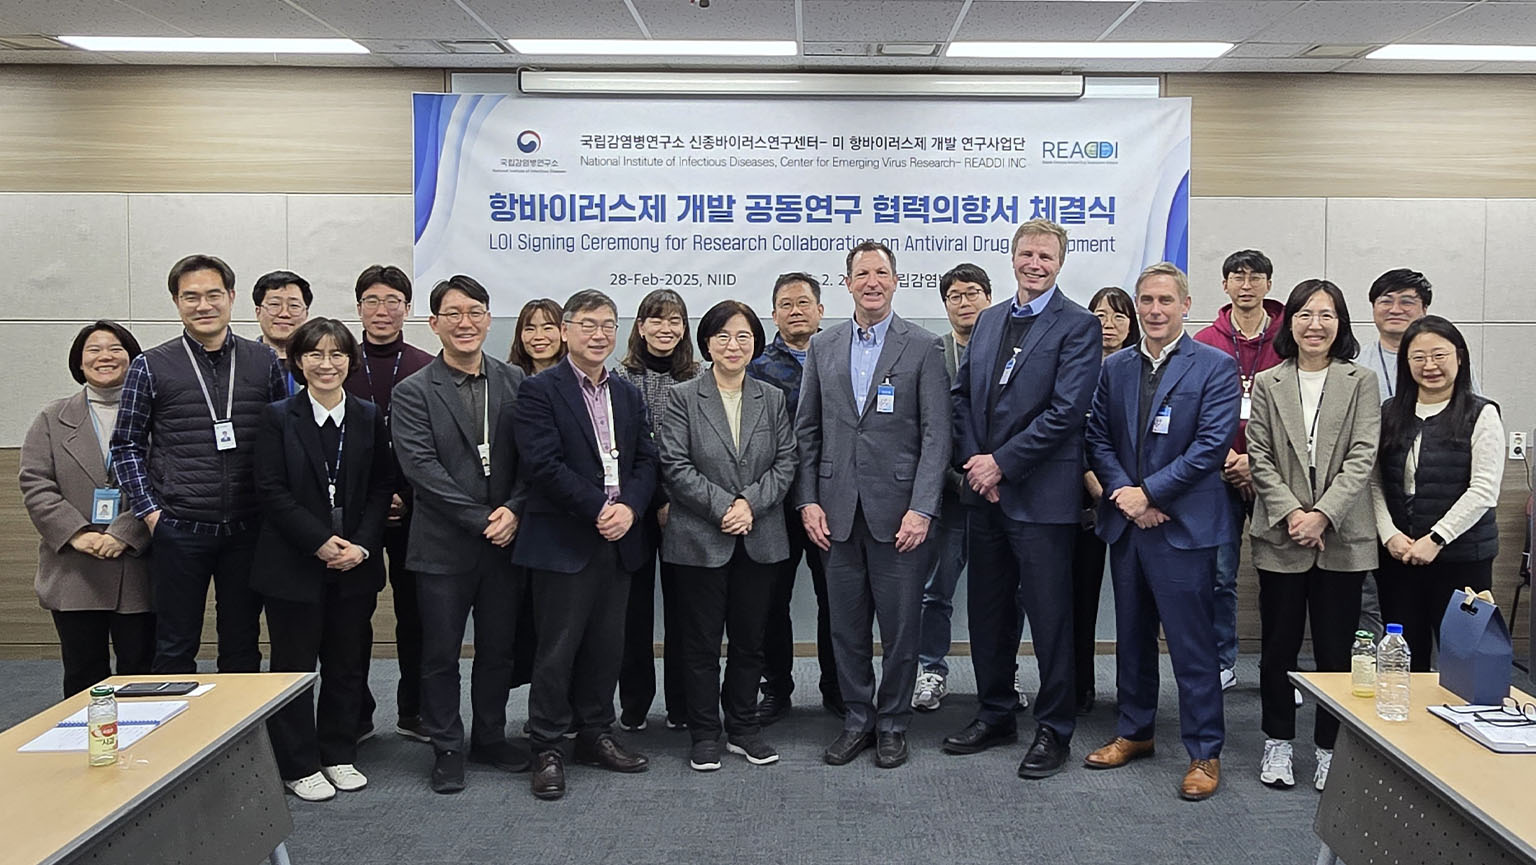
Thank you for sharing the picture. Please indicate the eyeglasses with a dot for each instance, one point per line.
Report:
(744, 338)
(1441, 358)
(1405, 301)
(1247, 278)
(589, 327)
(804, 304)
(1116, 317)
(1306, 317)
(194, 300)
(971, 296)
(337, 358)
(371, 304)
(475, 316)
(1511, 713)
(278, 307)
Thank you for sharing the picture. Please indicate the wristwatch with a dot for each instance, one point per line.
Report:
(1435, 536)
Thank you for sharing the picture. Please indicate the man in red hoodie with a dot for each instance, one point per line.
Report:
(1244, 329)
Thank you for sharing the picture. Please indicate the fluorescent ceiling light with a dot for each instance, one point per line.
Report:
(798, 84)
(1089, 50)
(1454, 52)
(210, 45)
(662, 47)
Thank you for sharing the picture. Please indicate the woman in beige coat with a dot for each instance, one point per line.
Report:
(1312, 439)
(91, 571)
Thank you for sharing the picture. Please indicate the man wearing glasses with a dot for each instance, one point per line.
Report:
(452, 430)
(1399, 298)
(282, 304)
(383, 301)
(592, 467)
(182, 451)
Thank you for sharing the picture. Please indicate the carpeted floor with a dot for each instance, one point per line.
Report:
(937, 808)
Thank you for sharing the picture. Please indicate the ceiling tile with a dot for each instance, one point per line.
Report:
(62, 58)
(759, 19)
(402, 46)
(1203, 21)
(81, 18)
(1267, 49)
(397, 19)
(1273, 64)
(558, 19)
(1352, 22)
(995, 20)
(1433, 67)
(1490, 23)
(879, 20)
(268, 18)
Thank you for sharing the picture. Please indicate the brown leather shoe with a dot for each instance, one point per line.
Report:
(1201, 780)
(1117, 753)
(548, 775)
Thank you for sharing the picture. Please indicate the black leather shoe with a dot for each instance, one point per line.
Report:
(448, 772)
(771, 708)
(978, 737)
(605, 751)
(1086, 700)
(548, 775)
(835, 706)
(502, 755)
(891, 750)
(847, 746)
(1045, 757)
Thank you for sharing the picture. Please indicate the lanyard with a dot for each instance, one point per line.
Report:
(613, 449)
(96, 425)
(485, 410)
(332, 472)
(1385, 373)
(372, 394)
(229, 405)
(1312, 430)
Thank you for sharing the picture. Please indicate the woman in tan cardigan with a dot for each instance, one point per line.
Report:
(91, 571)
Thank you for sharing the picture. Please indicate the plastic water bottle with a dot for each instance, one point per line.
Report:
(101, 726)
(1392, 676)
(1362, 665)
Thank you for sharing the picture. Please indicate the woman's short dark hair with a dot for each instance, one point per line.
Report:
(308, 337)
(1120, 302)
(714, 322)
(77, 348)
(518, 356)
(1398, 420)
(467, 285)
(661, 303)
(1344, 347)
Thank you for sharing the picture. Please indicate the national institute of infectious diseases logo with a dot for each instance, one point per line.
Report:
(528, 141)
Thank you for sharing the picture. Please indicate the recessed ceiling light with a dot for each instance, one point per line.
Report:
(1089, 50)
(1454, 52)
(212, 45)
(659, 47)
(908, 49)
(471, 46)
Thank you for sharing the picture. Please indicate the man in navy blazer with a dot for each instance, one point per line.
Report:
(1020, 399)
(1163, 416)
(592, 467)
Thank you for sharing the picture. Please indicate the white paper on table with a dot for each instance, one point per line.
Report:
(134, 721)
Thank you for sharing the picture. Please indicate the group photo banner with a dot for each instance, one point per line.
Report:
(542, 196)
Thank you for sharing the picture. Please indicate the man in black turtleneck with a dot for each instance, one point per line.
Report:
(383, 301)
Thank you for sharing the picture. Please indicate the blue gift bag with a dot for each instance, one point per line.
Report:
(1475, 650)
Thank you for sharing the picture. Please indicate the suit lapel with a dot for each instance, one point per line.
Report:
(1338, 390)
(303, 416)
(751, 411)
(984, 345)
(495, 385)
(359, 430)
(842, 348)
(1043, 324)
(1131, 398)
(81, 443)
(713, 409)
(1177, 365)
(569, 388)
(890, 352)
(1285, 391)
(448, 393)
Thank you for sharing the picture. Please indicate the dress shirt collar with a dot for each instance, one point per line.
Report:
(1034, 307)
(337, 414)
(585, 380)
(1168, 351)
(876, 332)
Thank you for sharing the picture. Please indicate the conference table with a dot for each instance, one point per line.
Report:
(1419, 791)
(202, 787)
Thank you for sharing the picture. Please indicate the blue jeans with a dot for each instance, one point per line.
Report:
(1227, 556)
(939, 592)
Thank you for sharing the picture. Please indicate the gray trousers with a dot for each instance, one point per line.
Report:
(868, 581)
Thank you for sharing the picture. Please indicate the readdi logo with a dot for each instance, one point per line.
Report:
(1079, 151)
(528, 141)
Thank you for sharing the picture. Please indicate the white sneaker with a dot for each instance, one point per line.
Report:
(345, 777)
(931, 689)
(312, 788)
(1275, 767)
(1324, 763)
(1228, 678)
(1018, 688)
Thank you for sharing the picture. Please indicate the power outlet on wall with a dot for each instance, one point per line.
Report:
(1517, 445)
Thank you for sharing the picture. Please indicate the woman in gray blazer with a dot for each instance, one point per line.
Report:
(91, 573)
(1312, 439)
(727, 458)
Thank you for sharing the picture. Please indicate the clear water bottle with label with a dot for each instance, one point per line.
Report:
(101, 726)
(1362, 665)
(1392, 675)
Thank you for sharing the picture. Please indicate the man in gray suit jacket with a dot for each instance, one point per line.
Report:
(874, 438)
(452, 428)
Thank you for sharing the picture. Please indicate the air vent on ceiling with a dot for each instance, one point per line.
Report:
(32, 43)
(835, 49)
(1338, 52)
(472, 46)
(907, 49)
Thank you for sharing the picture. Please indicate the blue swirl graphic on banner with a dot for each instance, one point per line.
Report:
(1176, 240)
(432, 111)
(528, 141)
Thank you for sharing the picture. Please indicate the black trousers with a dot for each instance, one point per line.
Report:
(84, 640)
(1088, 554)
(581, 636)
(779, 636)
(637, 670)
(490, 592)
(180, 565)
(335, 632)
(1332, 600)
(1415, 596)
(407, 631)
(712, 602)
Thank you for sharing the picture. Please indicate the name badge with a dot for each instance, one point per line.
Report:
(337, 522)
(1246, 409)
(611, 469)
(224, 435)
(105, 503)
(885, 398)
(1008, 369)
(485, 458)
(1161, 422)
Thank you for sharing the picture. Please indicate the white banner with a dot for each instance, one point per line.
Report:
(541, 196)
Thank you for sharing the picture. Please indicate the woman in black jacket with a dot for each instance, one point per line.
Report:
(325, 477)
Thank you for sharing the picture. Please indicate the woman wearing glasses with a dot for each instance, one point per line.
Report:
(1117, 317)
(727, 459)
(1311, 443)
(536, 342)
(659, 356)
(1436, 484)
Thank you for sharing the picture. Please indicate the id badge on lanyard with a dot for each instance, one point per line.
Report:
(1161, 423)
(223, 430)
(106, 502)
(885, 397)
(1247, 405)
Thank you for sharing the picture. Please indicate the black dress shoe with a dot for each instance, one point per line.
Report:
(978, 737)
(891, 750)
(448, 772)
(835, 706)
(1045, 757)
(605, 751)
(548, 775)
(1086, 700)
(771, 708)
(502, 755)
(847, 746)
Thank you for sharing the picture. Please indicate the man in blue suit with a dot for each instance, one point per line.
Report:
(1020, 398)
(1163, 416)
